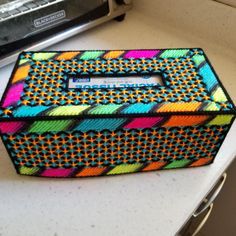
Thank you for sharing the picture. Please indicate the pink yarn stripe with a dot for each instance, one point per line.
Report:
(141, 53)
(11, 126)
(57, 172)
(13, 94)
(143, 122)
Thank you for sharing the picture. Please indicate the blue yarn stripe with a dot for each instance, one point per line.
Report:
(138, 108)
(208, 76)
(29, 111)
(100, 124)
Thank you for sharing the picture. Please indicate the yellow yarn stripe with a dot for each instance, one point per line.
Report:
(21, 73)
(184, 106)
(22, 61)
(221, 120)
(198, 59)
(219, 95)
(212, 107)
(28, 171)
(67, 55)
(38, 56)
(113, 54)
(125, 168)
(67, 110)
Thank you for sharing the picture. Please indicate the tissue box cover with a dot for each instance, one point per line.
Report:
(103, 112)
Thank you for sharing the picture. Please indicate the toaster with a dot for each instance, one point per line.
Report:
(36, 24)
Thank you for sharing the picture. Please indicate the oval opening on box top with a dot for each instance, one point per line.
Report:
(131, 81)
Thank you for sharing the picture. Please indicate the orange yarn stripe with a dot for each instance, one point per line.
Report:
(154, 166)
(21, 73)
(67, 55)
(93, 171)
(185, 120)
(113, 54)
(201, 162)
(188, 106)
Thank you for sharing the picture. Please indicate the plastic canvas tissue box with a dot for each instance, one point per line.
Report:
(91, 113)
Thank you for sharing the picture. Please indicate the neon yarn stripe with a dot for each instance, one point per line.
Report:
(67, 110)
(141, 54)
(39, 56)
(100, 124)
(198, 59)
(221, 120)
(51, 125)
(113, 54)
(143, 122)
(122, 169)
(91, 55)
(67, 55)
(57, 172)
(212, 106)
(186, 120)
(177, 164)
(219, 95)
(174, 53)
(21, 73)
(28, 171)
(201, 162)
(94, 171)
(191, 106)
(154, 166)
(30, 111)
(11, 127)
(137, 108)
(105, 109)
(23, 61)
(208, 76)
(13, 95)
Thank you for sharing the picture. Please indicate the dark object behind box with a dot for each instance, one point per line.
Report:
(89, 113)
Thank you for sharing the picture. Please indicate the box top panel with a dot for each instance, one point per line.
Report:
(113, 83)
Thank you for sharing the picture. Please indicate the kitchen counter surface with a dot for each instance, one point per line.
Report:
(154, 203)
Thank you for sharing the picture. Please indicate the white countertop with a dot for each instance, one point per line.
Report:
(154, 203)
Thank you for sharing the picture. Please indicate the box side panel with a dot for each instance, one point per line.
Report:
(92, 147)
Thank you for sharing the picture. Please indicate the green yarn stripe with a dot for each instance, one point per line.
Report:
(51, 125)
(177, 164)
(105, 109)
(22, 61)
(221, 120)
(125, 168)
(212, 106)
(174, 53)
(39, 56)
(198, 59)
(28, 171)
(91, 55)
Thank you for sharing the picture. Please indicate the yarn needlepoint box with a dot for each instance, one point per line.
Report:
(101, 112)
